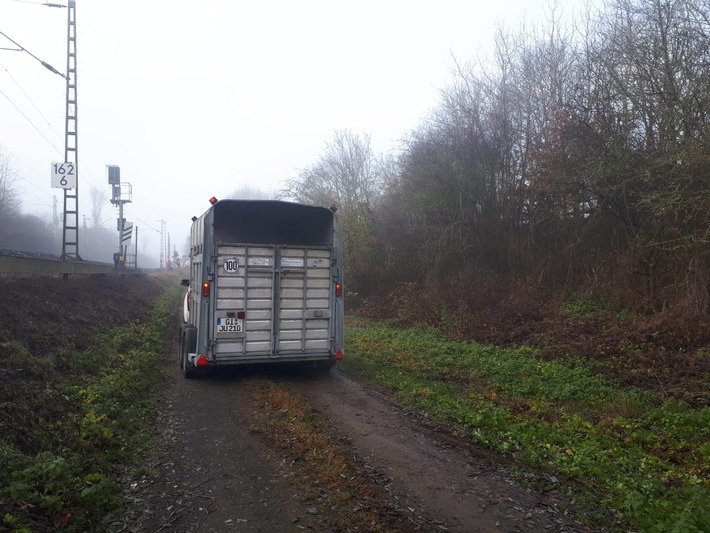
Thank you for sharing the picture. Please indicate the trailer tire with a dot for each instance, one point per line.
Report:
(188, 345)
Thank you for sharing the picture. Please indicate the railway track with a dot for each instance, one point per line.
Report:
(19, 262)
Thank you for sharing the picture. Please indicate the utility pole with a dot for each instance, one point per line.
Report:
(70, 233)
(55, 215)
(64, 174)
(162, 244)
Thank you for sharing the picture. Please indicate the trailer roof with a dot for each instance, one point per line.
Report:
(271, 221)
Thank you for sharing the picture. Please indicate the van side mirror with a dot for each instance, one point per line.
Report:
(185, 282)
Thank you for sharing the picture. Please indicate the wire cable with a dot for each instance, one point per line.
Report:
(85, 173)
(83, 203)
(31, 101)
(43, 63)
(31, 123)
(39, 188)
(36, 3)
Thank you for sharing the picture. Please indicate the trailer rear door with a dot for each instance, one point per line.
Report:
(273, 302)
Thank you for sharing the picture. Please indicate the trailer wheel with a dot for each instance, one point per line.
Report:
(325, 365)
(188, 369)
(188, 344)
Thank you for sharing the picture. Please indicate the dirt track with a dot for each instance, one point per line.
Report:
(213, 473)
(214, 469)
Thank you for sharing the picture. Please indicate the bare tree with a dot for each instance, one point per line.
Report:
(349, 176)
(9, 196)
(578, 157)
(249, 192)
(98, 202)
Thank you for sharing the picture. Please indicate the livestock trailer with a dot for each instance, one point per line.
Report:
(265, 286)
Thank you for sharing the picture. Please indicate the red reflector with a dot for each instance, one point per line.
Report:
(339, 355)
(338, 289)
(201, 361)
(206, 289)
(241, 315)
(213, 200)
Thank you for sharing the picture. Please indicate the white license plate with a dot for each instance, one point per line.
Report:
(229, 325)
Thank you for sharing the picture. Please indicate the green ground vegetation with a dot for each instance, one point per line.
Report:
(632, 458)
(59, 471)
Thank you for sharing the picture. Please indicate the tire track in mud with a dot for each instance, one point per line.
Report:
(453, 483)
(212, 472)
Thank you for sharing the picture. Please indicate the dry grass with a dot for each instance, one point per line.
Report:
(346, 495)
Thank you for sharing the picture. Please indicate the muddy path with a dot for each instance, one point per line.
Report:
(212, 470)
(208, 472)
(457, 485)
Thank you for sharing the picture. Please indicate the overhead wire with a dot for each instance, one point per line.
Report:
(43, 63)
(84, 201)
(149, 226)
(27, 2)
(61, 154)
(30, 100)
(31, 123)
(39, 188)
(86, 174)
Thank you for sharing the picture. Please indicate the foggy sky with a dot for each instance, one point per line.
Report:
(195, 99)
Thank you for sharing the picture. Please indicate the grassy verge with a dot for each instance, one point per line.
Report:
(81, 418)
(645, 459)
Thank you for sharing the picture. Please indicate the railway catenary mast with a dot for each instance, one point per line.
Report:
(70, 232)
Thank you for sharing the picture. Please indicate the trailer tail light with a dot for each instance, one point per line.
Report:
(206, 289)
(339, 355)
(213, 200)
(338, 289)
(201, 361)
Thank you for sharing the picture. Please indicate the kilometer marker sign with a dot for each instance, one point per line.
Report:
(63, 176)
